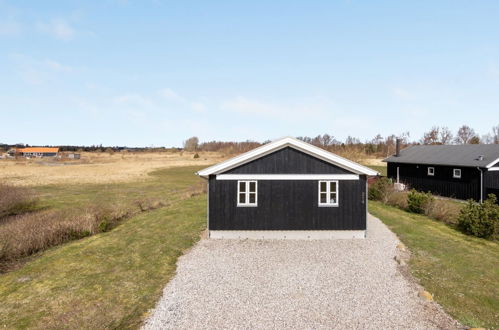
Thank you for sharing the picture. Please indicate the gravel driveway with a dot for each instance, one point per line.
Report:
(268, 284)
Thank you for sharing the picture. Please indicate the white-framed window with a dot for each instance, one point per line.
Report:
(328, 193)
(431, 171)
(247, 193)
(457, 173)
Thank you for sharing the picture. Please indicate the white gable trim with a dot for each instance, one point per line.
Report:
(287, 177)
(493, 169)
(492, 164)
(283, 143)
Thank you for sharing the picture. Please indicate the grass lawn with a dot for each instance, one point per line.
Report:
(109, 280)
(462, 272)
(380, 168)
(163, 183)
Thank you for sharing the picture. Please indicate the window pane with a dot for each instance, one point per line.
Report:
(252, 198)
(242, 186)
(333, 198)
(332, 186)
(242, 198)
(252, 186)
(324, 198)
(323, 186)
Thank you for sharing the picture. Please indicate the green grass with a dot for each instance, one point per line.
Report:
(165, 182)
(462, 272)
(380, 168)
(109, 280)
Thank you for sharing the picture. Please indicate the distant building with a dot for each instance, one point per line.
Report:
(457, 171)
(38, 152)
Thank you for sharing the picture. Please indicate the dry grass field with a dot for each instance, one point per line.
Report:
(98, 168)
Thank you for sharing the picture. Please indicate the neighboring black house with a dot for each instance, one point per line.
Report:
(469, 171)
(287, 189)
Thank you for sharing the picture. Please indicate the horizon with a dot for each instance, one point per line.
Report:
(136, 74)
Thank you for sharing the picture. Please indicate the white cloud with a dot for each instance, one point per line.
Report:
(251, 107)
(58, 28)
(289, 112)
(57, 66)
(170, 94)
(198, 106)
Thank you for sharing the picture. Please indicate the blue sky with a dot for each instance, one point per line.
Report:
(142, 73)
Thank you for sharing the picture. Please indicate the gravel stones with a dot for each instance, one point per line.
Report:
(296, 284)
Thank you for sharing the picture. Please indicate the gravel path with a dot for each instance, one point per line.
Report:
(269, 284)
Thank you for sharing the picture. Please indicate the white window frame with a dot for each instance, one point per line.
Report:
(328, 193)
(431, 171)
(247, 193)
(454, 175)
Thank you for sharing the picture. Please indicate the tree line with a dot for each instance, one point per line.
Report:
(377, 146)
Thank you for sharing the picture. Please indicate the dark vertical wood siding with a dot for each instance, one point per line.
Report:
(287, 205)
(491, 179)
(442, 183)
(288, 161)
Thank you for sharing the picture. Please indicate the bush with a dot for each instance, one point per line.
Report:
(196, 155)
(16, 200)
(419, 202)
(397, 199)
(444, 210)
(379, 189)
(480, 220)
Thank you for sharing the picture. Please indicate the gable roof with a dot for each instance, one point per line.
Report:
(283, 143)
(38, 149)
(467, 155)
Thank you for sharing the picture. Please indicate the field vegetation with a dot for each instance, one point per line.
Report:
(95, 254)
(461, 271)
(38, 216)
(98, 167)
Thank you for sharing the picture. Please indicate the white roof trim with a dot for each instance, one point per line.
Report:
(492, 164)
(280, 144)
(287, 177)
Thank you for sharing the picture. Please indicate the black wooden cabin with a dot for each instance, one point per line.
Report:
(287, 189)
(456, 171)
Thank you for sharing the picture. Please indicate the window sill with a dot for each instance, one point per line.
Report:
(242, 205)
(328, 205)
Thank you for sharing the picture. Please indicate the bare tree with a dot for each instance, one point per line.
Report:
(327, 140)
(445, 135)
(495, 134)
(432, 136)
(465, 134)
(191, 144)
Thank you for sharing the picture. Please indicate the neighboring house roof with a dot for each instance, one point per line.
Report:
(38, 149)
(283, 143)
(467, 155)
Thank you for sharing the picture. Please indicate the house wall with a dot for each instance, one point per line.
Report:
(491, 183)
(442, 183)
(287, 205)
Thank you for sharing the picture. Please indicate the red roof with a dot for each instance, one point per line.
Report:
(39, 149)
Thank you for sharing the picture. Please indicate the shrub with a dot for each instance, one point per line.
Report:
(16, 200)
(480, 220)
(397, 199)
(419, 202)
(444, 210)
(196, 155)
(379, 189)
